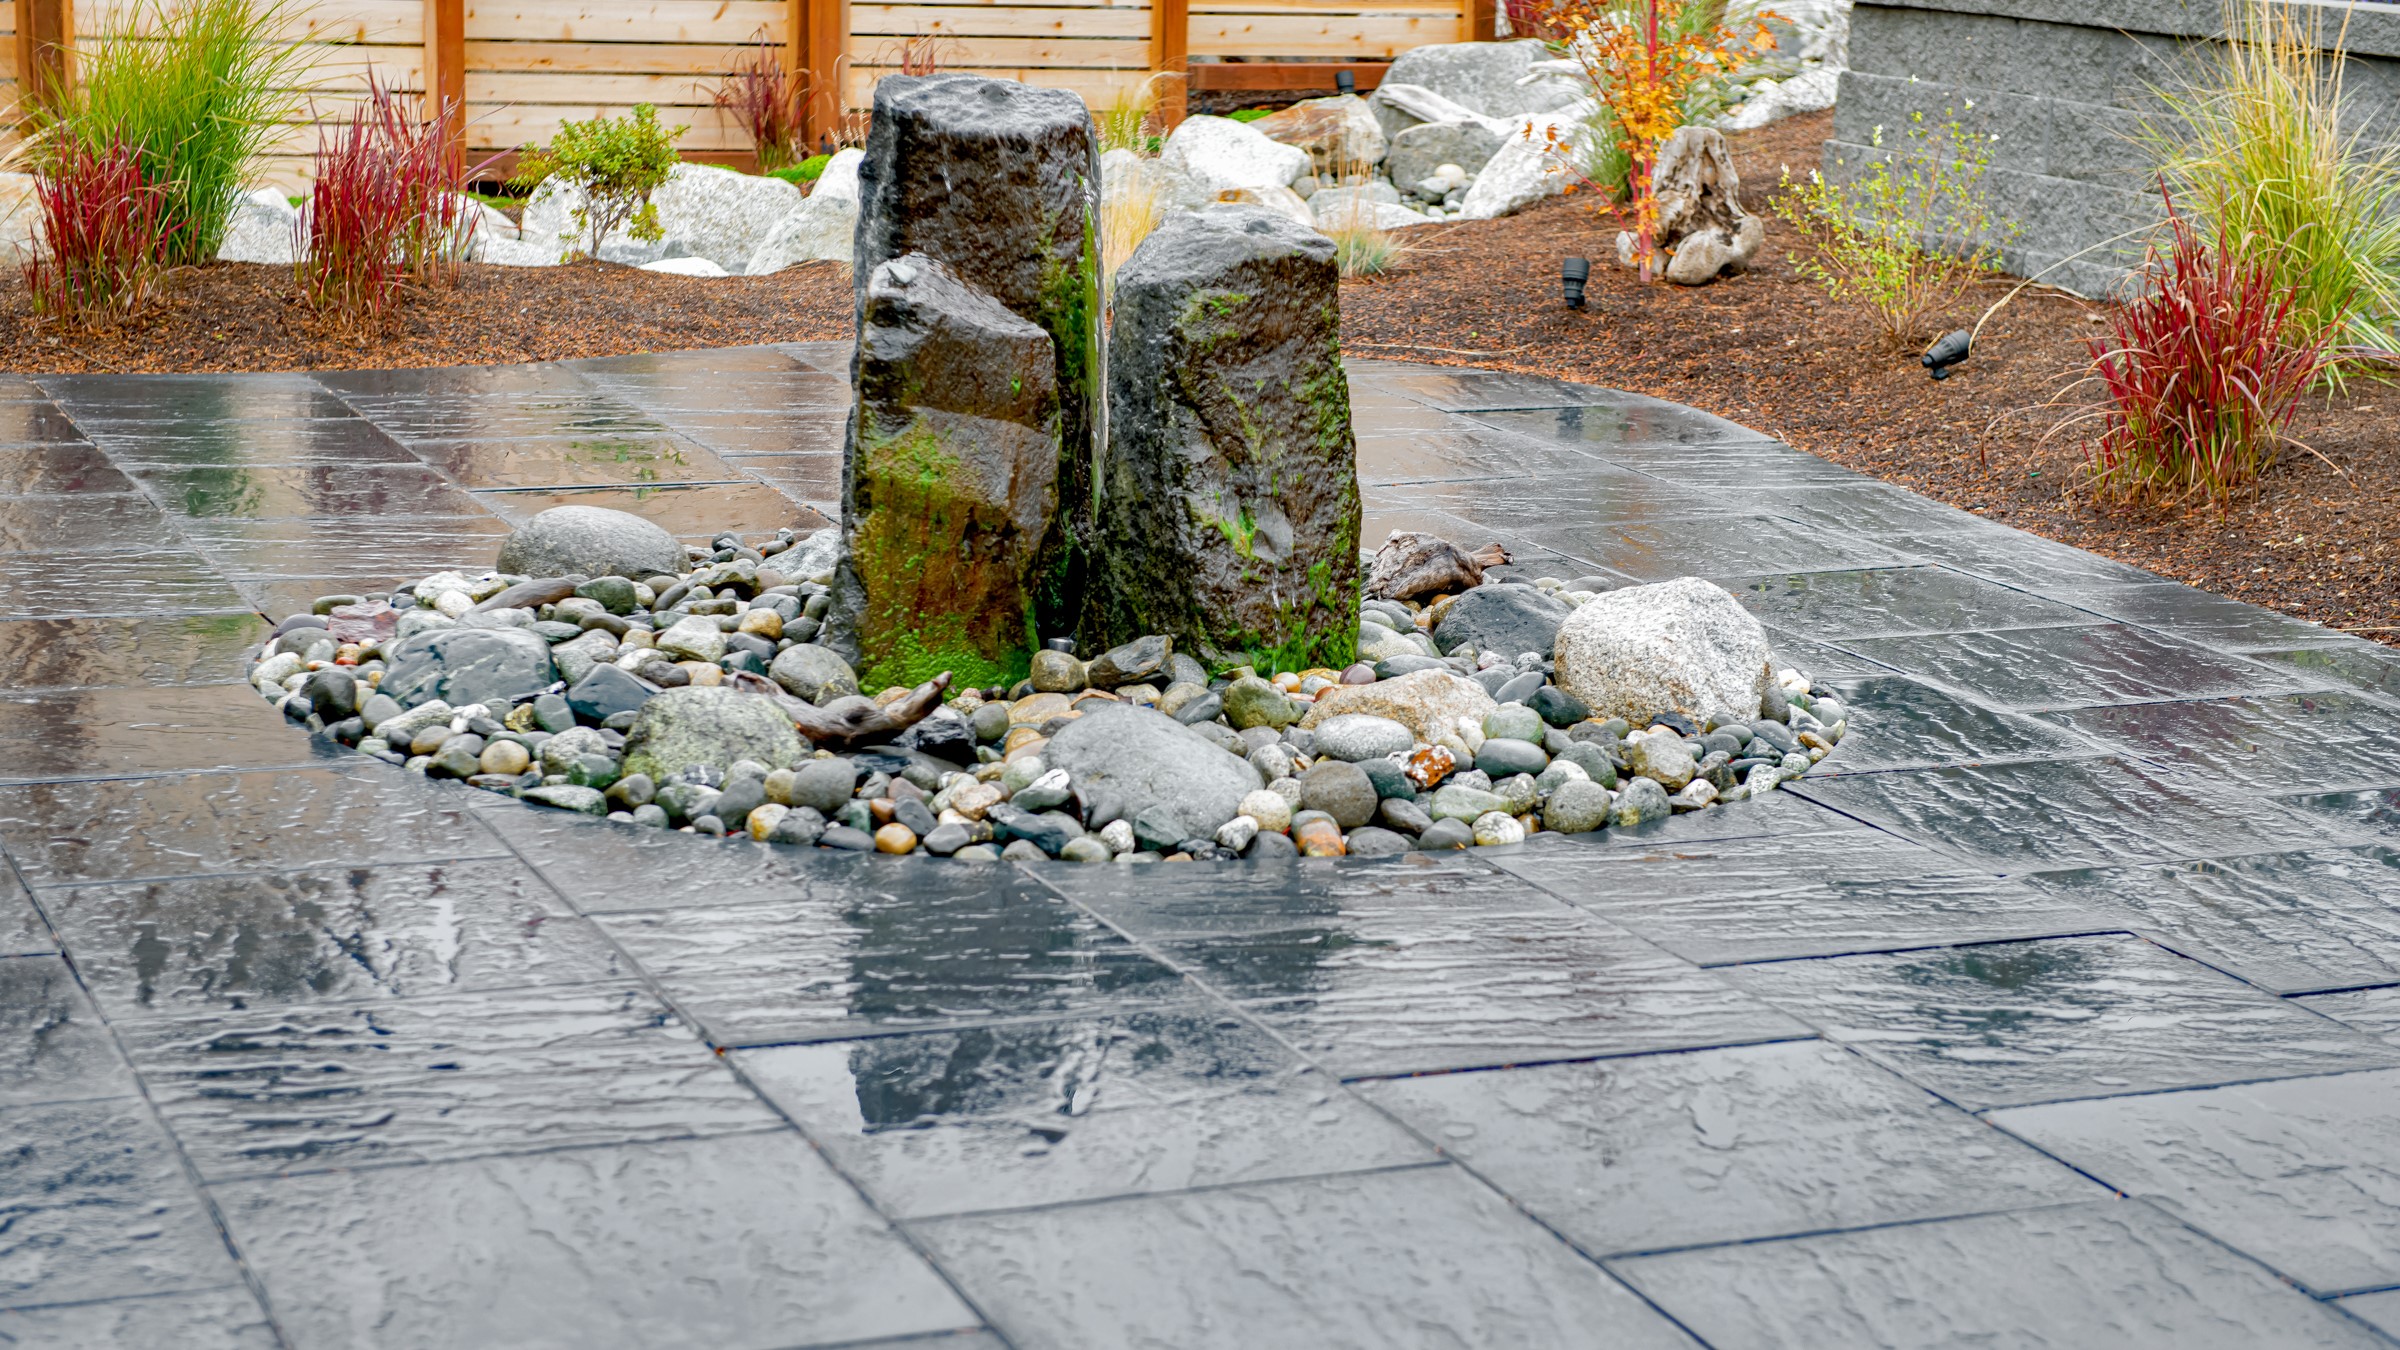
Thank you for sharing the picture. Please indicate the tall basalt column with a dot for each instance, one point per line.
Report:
(1228, 495)
(1000, 182)
(949, 482)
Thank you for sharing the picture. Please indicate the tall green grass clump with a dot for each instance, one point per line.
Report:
(2255, 148)
(197, 90)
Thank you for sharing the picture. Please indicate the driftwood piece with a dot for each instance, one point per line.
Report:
(1411, 566)
(532, 594)
(851, 722)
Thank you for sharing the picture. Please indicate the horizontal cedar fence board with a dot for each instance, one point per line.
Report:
(716, 21)
(667, 91)
(609, 58)
(985, 53)
(1276, 75)
(506, 126)
(893, 23)
(339, 21)
(1097, 87)
(1354, 36)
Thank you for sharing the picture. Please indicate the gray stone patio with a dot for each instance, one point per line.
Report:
(2060, 1007)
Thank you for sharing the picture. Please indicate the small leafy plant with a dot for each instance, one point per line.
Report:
(767, 102)
(2201, 376)
(611, 165)
(106, 230)
(808, 170)
(1881, 237)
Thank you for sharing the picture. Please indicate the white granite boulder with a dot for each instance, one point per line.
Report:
(822, 230)
(1495, 79)
(1678, 646)
(265, 229)
(703, 212)
(1206, 157)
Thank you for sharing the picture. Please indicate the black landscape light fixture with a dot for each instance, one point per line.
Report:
(1345, 81)
(1948, 352)
(1571, 275)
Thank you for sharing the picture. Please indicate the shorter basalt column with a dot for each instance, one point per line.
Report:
(949, 482)
(1228, 494)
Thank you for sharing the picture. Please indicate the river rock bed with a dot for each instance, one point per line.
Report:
(625, 699)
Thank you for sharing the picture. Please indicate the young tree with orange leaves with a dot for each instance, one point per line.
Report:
(1642, 61)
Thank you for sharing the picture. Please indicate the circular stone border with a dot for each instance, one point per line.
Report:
(540, 705)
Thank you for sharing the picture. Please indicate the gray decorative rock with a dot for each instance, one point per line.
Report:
(1641, 800)
(1141, 661)
(1456, 801)
(697, 638)
(949, 482)
(264, 229)
(1229, 505)
(1513, 721)
(591, 541)
(606, 692)
(1576, 807)
(1341, 790)
(1428, 702)
(1492, 78)
(720, 214)
(1420, 150)
(468, 665)
(821, 229)
(1508, 620)
(1661, 756)
(1339, 133)
(1374, 842)
(679, 728)
(823, 785)
(814, 673)
(1135, 759)
(1677, 646)
(1253, 702)
(1357, 736)
(569, 798)
(1023, 236)
(1205, 157)
(1501, 757)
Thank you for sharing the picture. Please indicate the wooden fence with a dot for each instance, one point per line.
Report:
(520, 67)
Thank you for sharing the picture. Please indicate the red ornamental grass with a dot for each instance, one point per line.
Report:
(766, 102)
(382, 210)
(105, 231)
(2202, 376)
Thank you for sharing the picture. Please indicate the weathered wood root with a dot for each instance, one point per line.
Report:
(859, 724)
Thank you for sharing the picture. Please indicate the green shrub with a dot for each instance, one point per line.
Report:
(198, 91)
(2256, 149)
(1880, 238)
(808, 170)
(1250, 114)
(615, 163)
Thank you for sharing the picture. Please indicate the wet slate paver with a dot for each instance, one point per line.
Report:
(2070, 667)
(2286, 922)
(2281, 743)
(1811, 895)
(2303, 1174)
(2379, 1310)
(1429, 966)
(131, 650)
(449, 1066)
(963, 946)
(2105, 1273)
(2061, 813)
(127, 829)
(1041, 1113)
(1276, 1265)
(2013, 1023)
(1663, 1151)
(53, 1047)
(366, 933)
(94, 1205)
(747, 1242)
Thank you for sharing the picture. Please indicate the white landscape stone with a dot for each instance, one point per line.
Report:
(1206, 156)
(686, 267)
(1677, 646)
(1525, 170)
(839, 181)
(823, 229)
(1281, 200)
(264, 229)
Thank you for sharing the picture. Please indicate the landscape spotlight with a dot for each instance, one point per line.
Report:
(1948, 352)
(1345, 82)
(1571, 275)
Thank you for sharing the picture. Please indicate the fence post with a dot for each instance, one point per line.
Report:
(1170, 51)
(446, 71)
(817, 48)
(45, 38)
(1483, 20)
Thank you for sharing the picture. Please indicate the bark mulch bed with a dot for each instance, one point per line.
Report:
(1766, 349)
(1769, 350)
(247, 316)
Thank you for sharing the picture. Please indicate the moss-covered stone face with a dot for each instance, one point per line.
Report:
(1000, 181)
(1229, 508)
(949, 483)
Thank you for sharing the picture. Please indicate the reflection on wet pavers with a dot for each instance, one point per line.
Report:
(2303, 1174)
(2010, 1023)
(2104, 859)
(2102, 1273)
(1664, 1151)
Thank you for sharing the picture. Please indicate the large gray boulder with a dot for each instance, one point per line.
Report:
(1494, 79)
(593, 541)
(1418, 151)
(1677, 646)
(1128, 759)
(812, 672)
(713, 725)
(720, 214)
(1509, 620)
(822, 229)
(468, 665)
(1000, 182)
(1229, 501)
(1205, 157)
(949, 483)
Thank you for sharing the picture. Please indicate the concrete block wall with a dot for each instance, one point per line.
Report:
(2065, 86)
